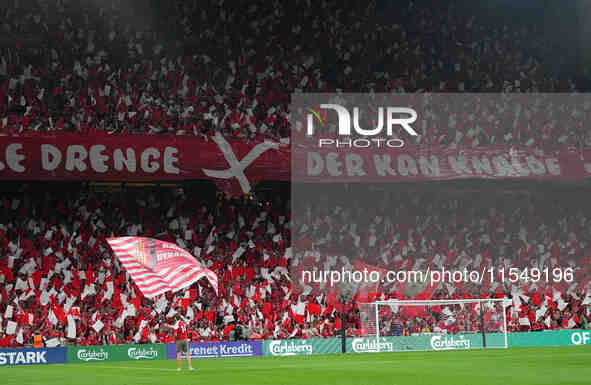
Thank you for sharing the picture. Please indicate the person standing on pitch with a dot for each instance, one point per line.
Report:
(182, 341)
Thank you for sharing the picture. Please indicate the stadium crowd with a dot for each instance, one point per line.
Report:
(231, 66)
(60, 279)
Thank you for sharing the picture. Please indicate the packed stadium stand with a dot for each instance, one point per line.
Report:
(203, 68)
(56, 263)
(116, 67)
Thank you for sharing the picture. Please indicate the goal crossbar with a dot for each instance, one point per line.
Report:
(436, 301)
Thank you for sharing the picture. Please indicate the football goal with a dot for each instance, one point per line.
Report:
(413, 325)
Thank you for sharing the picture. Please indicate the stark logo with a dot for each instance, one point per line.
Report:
(146, 253)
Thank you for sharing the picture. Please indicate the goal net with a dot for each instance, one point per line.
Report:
(391, 326)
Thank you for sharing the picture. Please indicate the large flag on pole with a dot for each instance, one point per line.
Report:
(157, 267)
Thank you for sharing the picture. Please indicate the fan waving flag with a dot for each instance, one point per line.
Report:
(157, 267)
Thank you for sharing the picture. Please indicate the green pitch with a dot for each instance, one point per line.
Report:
(525, 366)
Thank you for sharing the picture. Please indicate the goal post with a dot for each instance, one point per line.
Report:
(419, 325)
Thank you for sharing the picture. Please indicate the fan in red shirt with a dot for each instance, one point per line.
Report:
(182, 342)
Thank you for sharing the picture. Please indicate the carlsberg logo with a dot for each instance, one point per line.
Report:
(289, 347)
(362, 345)
(449, 343)
(92, 355)
(142, 353)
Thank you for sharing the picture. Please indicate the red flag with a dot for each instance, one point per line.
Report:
(136, 302)
(157, 267)
(314, 309)
(185, 303)
(267, 309)
(228, 329)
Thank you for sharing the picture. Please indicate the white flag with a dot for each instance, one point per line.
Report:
(109, 292)
(197, 251)
(138, 335)
(524, 321)
(540, 312)
(71, 327)
(161, 304)
(238, 253)
(19, 336)
(52, 318)
(8, 312)
(10, 328)
(69, 302)
(98, 326)
(88, 290)
(210, 237)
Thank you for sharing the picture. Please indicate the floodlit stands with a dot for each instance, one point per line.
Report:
(227, 67)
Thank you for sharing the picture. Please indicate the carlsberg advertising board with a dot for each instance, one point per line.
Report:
(112, 353)
(301, 347)
(370, 345)
(450, 342)
(90, 354)
(143, 353)
(423, 342)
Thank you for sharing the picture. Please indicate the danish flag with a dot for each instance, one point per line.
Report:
(157, 267)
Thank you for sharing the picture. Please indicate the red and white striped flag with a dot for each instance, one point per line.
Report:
(157, 267)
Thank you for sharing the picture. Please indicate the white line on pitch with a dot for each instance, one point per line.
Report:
(120, 367)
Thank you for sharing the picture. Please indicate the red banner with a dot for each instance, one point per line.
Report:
(237, 166)
(420, 163)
